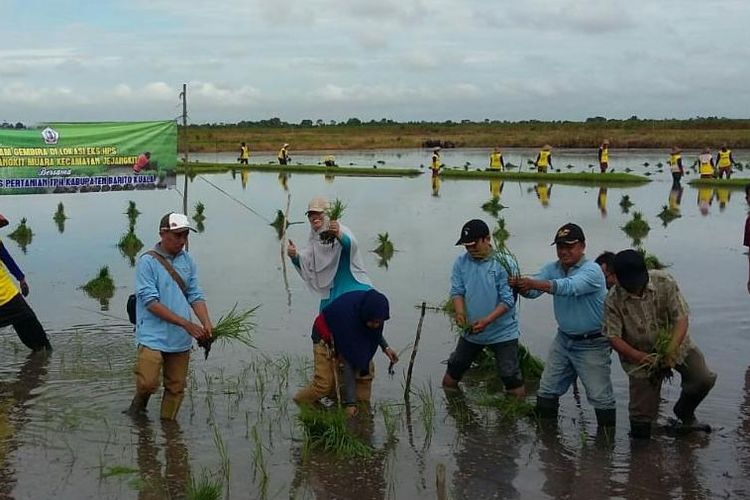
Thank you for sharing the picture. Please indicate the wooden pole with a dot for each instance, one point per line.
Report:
(442, 493)
(407, 387)
(183, 94)
(284, 225)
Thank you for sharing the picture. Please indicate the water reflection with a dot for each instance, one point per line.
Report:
(723, 195)
(705, 199)
(244, 177)
(436, 185)
(496, 187)
(543, 193)
(486, 457)
(601, 201)
(171, 480)
(284, 180)
(14, 398)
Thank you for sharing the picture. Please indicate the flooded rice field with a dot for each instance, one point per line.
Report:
(62, 433)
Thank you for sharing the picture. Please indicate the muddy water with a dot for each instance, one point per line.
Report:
(63, 434)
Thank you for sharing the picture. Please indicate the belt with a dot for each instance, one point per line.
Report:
(595, 334)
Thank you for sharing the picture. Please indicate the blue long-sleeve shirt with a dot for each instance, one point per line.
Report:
(484, 285)
(578, 295)
(153, 282)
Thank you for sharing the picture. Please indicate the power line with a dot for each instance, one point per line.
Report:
(235, 199)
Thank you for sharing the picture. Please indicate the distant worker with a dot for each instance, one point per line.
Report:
(706, 164)
(329, 161)
(675, 165)
(284, 155)
(724, 162)
(244, 154)
(604, 156)
(544, 159)
(496, 160)
(436, 163)
(142, 163)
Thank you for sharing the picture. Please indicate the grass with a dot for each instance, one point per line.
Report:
(327, 431)
(101, 287)
(575, 178)
(197, 168)
(637, 228)
(234, 326)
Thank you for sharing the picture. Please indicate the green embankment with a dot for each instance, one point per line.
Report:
(736, 183)
(584, 178)
(200, 168)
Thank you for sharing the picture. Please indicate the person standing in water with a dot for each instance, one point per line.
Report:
(544, 159)
(604, 156)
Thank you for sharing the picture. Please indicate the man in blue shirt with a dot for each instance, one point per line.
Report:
(579, 349)
(485, 310)
(164, 330)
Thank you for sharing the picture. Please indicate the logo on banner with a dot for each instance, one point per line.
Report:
(50, 135)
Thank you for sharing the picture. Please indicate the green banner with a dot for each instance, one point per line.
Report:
(88, 157)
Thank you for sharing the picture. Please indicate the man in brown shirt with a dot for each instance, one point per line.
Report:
(641, 305)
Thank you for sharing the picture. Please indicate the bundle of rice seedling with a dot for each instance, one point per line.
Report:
(130, 244)
(234, 326)
(509, 408)
(493, 206)
(531, 366)
(625, 203)
(326, 430)
(385, 246)
(101, 287)
(500, 234)
(199, 209)
(60, 214)
(334, 212)
(637, 228)
(667, 215)
(22, 234)
(132, 212)
(652, 261)
(655, 365)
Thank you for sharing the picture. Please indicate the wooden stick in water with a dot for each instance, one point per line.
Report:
(407, 387)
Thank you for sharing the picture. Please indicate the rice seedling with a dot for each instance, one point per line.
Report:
(655, 365)
(259, 457)
(336, 210)
(199, 209)
(327, 431)
(132, 212)
(117, 470)
(278, 223)
(652, 261)
(22, 234)
(130, 244)
(207, 487)
(427, 409)
(636, 228)
(234, 326)
(384, 250)
(60, 217)
(625, 203)
(500, 234)
(221, 448)
(493, 206)
(390, 422)
(508, 407)
(667, 215)
(531, 366)
(102, 287)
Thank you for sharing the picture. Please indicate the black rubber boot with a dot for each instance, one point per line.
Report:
(606, 417)
(640, 430)
(138, 405)
(684, 409)
(546, 407)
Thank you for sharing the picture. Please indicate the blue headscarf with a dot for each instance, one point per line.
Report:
(347, 318)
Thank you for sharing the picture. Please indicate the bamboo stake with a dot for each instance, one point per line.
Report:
(283, 250)
(407, 388)
(442, 493)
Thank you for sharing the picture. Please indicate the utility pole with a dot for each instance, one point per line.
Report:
(184, 148)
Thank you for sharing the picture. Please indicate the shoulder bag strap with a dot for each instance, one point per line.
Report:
(170, 269)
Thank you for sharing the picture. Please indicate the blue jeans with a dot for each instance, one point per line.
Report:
(589, 360)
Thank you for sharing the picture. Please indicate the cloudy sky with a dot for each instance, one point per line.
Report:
(70, 60)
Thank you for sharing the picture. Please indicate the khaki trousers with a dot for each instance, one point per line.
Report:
(323, 382)
(148, 367)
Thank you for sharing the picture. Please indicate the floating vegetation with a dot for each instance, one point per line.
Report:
(652, 261)
(655, 364)
(327, 431)
(667, 215)
(384, 250)
(637, 228)
(625, 203)
(22, 235)
(60, 217)
(199, 209)
(234, 326)
(101, 288)
(493, 206)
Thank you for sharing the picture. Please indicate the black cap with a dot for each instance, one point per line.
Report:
(570, 233)
(630, 269)
(472, 231)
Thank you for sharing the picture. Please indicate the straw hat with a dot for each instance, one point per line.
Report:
(676, 150)
(605, 142)
(546, 147)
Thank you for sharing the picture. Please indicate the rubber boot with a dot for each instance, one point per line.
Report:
(684, 409)
(138, 405)
(546, 408)
(640, 429)
(170, 405)
(606, 417)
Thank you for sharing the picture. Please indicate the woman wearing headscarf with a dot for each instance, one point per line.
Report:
(348, 332)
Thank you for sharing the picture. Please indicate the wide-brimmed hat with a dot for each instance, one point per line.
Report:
(546, 147)
(676, 150)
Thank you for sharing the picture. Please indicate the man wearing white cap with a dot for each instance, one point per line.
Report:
(167, 289)
(283, 155)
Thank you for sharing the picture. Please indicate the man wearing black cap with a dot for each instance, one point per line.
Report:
(485, 310)
(14, 310)
(579, 349)
(641, 307)
(167, 292)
